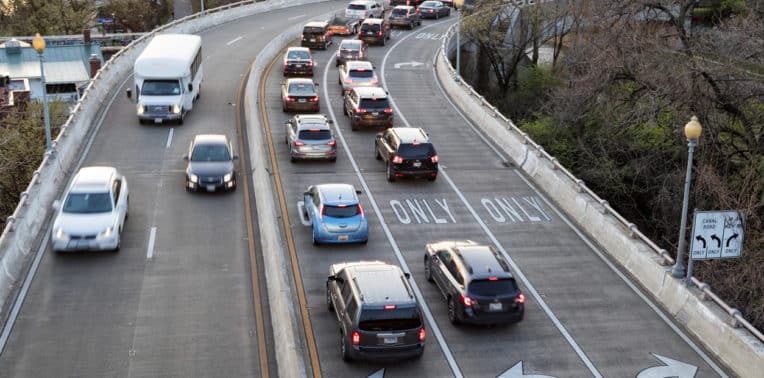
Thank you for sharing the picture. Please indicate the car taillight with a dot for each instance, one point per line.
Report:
(355, 338)
(520, 298)
(313, 99)
(422, 334)
(310, 64)
(373, 81)
(323, 210)
(389, 110)
(361, 110)
(290, 99)
(434, 158)
(286, 64)
(397, 159)
(430, 10)
(467, 301)
(298, 143)
(379, 33)
(331, 143)
(360, 210)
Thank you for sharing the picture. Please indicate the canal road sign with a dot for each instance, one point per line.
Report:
(716, 234)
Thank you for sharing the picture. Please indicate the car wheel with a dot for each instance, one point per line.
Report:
(452, 311)
(119, 241)
(292, 159)
(353, 126)
(315, 241)
(141, 121)
(390, 173)
(428, 269)
(384, 41)
(283, 108)
(365, 241)
(449, 13)
(344, 108)
(345, 349)
(377, 155)
(182, 117)
(411, 25)
(333, 159)
(432, 178)
(329, 305)
(437, 15)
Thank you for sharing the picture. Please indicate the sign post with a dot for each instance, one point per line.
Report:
(715, 235)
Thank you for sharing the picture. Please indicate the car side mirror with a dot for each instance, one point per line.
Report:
(190, 87)
(235, 157)
(56, 205)
(129, 93)
(316, 84)
(306, 193)
(407, 275)
(358, 191)
(185, 157)
(331, 122)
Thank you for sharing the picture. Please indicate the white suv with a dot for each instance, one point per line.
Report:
(93, 212)
(357, 73)
(364, 9)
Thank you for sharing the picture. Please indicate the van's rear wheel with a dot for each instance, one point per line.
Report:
(345, 349)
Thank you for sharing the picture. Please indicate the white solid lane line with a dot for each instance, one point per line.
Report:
(295, 17)
(152, 240)
(229, 43)
(169, 137)
(420, 298)
(529, 286)
(586, 239)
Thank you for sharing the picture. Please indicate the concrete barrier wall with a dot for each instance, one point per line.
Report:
(736, 347)
(26, 228)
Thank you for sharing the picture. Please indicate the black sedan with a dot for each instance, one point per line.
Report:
(210, 164)
(434, 9)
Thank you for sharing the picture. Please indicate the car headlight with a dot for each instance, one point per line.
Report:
(140, 109)
(60, 234)
(227, 177)
(176, 108)
(193, 178)
(105, 233)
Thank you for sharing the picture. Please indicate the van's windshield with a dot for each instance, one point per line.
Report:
(160, 88)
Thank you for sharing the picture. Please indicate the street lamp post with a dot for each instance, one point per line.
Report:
(458, 44)
(692, 131)
(202, 1)
(39, 45)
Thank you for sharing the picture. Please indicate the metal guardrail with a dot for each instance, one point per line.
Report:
(49, 156)
(737, 318)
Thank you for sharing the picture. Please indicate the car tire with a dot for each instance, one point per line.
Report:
(344, 108)
(353, 126)
(292, 159)
(428, 269)
(452, 317)
(119, 241)
(437, 15)
(283, 108)
(384, 41)
(432, 178)
(377, 155)
(182, 116)
(449, 13)
(365, 241)
(329, 305)
(315, 241)
(389, 173)
(345, 349)
(333, 159)
(411, 25)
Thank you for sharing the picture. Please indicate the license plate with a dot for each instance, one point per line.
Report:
(375, 113)
(313, 40)
(157, 120)
(298, 65)
(301, 100)
(390, 340)
(494, 307)
(418, 164)
(343, 237)
(210, 188)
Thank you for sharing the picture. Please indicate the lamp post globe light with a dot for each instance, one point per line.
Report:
(39, 45)
(692, 131)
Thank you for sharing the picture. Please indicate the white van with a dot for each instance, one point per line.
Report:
(168, 77)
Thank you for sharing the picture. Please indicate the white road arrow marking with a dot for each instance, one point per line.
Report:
(517, 372)
(378, 374)
(412, 64)
(673, 368)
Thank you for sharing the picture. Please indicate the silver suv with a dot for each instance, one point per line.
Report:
(309, 136)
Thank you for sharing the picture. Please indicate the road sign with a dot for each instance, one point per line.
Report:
(716, 234)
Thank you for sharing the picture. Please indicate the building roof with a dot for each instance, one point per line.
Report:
(63, 64)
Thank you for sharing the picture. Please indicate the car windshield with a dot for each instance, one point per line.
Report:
(340, 211)
(160, 88)
(356, 7)
(362, 73)
(370, 27)
(416, 151)
(315, 134)
(299, 54)
(210, 152)
(374, 103)
(87, 203)
(389, 320)
(400, 12)
(487, 288)
(301, 89)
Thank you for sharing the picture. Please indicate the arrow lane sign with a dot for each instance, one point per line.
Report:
(378, 374)
(702, 240)
(673, 368)
(729, 240)
(718, 241)
(409, 64)
(517, 372)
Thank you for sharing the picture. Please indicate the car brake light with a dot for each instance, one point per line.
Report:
(493, 278)
(397, 159)
(360, 210)
(290, 99)
(467, 301)
(298, 143)
(361, 110)
(389, 307)
(331, 143)
(422, 334)
(323, 210)
(313, 99)
(430, 10)
(379, 33)
(310, 64)
(520, 298)
(286, 64)
(434, 158)
(389, 110)
(356, 338)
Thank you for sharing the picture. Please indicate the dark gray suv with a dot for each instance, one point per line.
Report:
(377, 312)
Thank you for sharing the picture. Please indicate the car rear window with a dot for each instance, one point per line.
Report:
(416, 151)
(298, 55)
(301, 89)
(351, 46)
(376, 103)
(361, 73)
(356, 7)
(312, 30)
(315, 134)
(370, 27)
(400, 12)
(340, 211)
(389, 320)
(492, 288)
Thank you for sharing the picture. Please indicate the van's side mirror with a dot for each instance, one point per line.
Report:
(190, 87)
(235, 156)
(316, 84)
(129, 92)
(407, 275)
(56, 205)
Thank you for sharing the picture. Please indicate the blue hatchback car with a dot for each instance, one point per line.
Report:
(335, 214)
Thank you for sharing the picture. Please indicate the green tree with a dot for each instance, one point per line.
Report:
(47, 17)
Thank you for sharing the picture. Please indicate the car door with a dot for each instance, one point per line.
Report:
(388, 145)
(119, 202)
(440, 272)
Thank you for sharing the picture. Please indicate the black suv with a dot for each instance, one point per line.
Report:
(407, 151)
(377, 312)
(315, 34)
(476, 282)
(374, 31)
(367, 106)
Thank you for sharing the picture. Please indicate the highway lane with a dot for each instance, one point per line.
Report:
(582, 318)
(189, 309)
